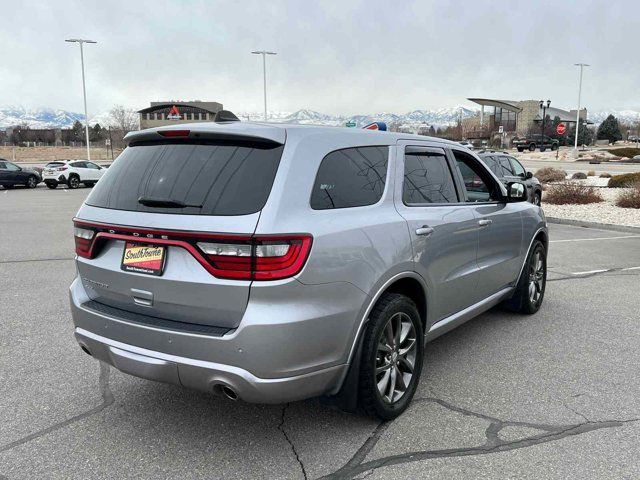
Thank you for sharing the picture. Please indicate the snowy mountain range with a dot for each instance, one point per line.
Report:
(54, 118)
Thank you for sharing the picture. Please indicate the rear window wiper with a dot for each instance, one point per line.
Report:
(164, 203)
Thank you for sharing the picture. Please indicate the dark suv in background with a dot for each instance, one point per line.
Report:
(531, 142)
(508, 169)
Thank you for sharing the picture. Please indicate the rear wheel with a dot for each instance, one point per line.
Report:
(532, 147)
(32, 182)
(554, 146)
(74, 182)
(51, 185)
(392, 354)
(529, 292)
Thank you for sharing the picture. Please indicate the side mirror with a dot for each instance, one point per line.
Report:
(516, 192)
(529, 175)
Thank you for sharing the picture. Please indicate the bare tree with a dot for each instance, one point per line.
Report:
(125, 119)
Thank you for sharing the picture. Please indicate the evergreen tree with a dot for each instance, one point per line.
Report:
(585, 135)
(96, 133)
(77, 131)
(609, 130)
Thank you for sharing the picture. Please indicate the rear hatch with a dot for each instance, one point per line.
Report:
(168, 231)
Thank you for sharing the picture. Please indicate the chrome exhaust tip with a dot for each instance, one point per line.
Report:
(229, 392)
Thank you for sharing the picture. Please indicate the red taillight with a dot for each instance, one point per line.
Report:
(259, 257)
(236, 257)
(174, 133)
(84, 241)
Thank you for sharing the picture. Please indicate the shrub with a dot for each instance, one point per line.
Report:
(605, 175)
(579, 176)
(550, 174)
(624, 180)
(591, 173)
(628, 152)
(571, 193)
(630, 198)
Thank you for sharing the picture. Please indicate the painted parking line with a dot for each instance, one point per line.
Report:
(593, 239)
(604, 270)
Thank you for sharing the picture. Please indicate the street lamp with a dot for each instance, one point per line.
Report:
(581, 65)
(264, 54)
(84, 89)
(544, 116)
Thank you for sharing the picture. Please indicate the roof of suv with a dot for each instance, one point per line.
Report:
(277, 132)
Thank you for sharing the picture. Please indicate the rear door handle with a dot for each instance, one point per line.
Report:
(424, 230)
(485, 222)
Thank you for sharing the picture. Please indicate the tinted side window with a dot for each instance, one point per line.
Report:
(427, 179)
(352, 177)
(11, 167)
(477, 183)
(505, 167)
(78, 165)
(2, 166)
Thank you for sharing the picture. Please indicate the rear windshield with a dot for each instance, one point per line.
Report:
(54, 164)
(209, 179)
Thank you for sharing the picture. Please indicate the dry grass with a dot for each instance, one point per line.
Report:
(624, 180)
(591, 173)
(550, 174)
(47, 154)
(579, 176)
(630, 198)
(605, 175)
(572, 193)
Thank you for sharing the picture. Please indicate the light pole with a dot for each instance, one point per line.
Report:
(544, 116)
(264, 54)
(84, 89)
(581, 65)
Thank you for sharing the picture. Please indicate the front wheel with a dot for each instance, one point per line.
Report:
(529, 292)
(32, 182)
(537, 199)
(392, 354)
(532, 147)
(554, 147)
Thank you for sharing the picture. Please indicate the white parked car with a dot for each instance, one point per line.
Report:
(466, 144)
(72, 173)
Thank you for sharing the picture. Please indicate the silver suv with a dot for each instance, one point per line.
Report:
(274, 263)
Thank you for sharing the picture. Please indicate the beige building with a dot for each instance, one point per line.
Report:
(176, 112)
(515, 118)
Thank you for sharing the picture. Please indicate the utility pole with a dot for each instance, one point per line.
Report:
(264, 54)
(581, 65)
(84, 89)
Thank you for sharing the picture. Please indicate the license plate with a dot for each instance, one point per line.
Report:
(142, 258)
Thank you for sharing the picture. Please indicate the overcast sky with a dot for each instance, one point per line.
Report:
(341, 57)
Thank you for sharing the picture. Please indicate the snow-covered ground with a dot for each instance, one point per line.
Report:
(604, 212)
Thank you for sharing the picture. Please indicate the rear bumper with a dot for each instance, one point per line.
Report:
(206, 376)
(54, 178)
(283, 350)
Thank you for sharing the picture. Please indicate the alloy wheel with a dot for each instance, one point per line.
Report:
(395, 357)
(536, 278)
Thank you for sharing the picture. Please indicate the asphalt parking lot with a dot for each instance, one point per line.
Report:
(554, 395)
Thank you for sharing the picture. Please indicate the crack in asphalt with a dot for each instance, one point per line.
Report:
(286, 437)
(107, 400)
(549, 433)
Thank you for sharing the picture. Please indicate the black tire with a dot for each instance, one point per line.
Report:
(73, 182)
(522, 300)
(537, 198)
(391, 309)
(554, 147)
(32, 182)
(520, 149)
(51, 185)
(532, 147)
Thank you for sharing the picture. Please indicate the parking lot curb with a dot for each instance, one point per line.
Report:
(601, 226)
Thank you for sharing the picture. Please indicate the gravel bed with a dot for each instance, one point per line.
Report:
(604, 212)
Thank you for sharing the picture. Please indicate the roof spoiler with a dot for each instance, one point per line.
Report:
(225, 116)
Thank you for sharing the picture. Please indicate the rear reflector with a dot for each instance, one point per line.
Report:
(174, 133)
(236, 257)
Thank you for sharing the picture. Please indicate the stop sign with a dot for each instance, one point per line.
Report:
(561, 128)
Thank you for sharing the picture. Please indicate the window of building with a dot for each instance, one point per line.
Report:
(427, 178)
(478, 185)
(352, 177)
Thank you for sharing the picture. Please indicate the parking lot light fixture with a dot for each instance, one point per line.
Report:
(80, 42)
(544, 107)
(264, 54)
(581, 65)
